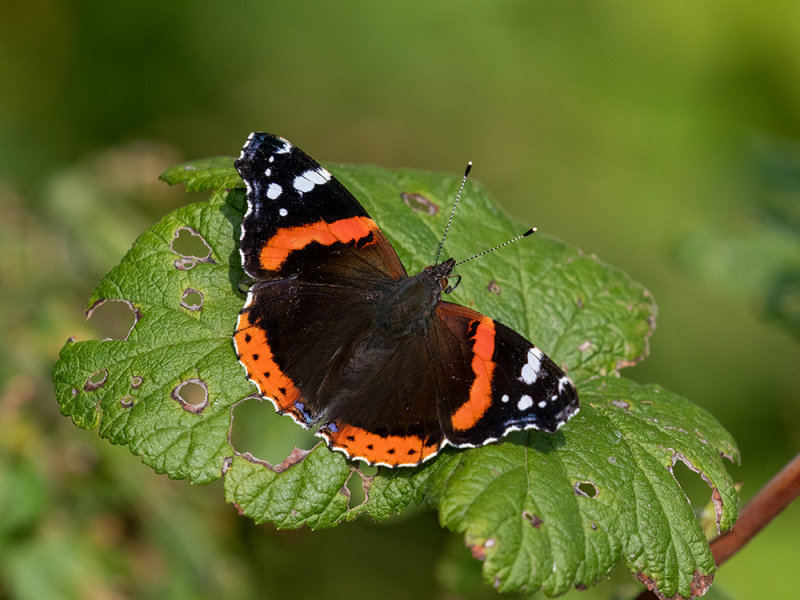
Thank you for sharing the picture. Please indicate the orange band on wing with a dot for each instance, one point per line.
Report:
(288, 239)
(391, 450)
(256, 356)
(480, 393)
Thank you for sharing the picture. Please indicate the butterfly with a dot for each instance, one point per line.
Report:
(338, 335)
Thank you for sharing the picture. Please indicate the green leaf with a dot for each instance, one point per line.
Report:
(553, 511)
(547, 511)
(204, 174)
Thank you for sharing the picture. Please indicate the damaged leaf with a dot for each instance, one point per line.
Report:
(540, 511)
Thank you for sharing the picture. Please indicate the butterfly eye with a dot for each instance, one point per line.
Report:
(447, 287)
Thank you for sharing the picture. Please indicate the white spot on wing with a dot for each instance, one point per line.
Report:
(525, 402)
(504, 398)
(530, 371)
(273, 191)
(306, 181)
(283, 212)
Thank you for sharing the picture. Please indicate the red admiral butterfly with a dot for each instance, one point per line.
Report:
(335, 333)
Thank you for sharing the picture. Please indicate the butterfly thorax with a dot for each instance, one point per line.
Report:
(406, 308)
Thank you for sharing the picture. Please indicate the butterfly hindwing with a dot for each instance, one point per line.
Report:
(514, 384)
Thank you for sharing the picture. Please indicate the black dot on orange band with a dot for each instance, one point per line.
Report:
(351, 438)
(266, 373)
(247, 337)
(412, 451)
(365, 241)
(282, 390)
(472, 328)
(255, 356)
(390, 451)
(370, 446)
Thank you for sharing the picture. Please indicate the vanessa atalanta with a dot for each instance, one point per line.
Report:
(337, 335)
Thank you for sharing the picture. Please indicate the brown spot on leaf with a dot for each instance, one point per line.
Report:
(192, 299)
(419, 203)
(96, 380)
(532, 519)
(192, 395)
(295, 456)
(493, 287)
(226, 465)
(621, 404)
(127, 401)
(479, 550)
(701, 583)
(184, 264)
(136, 382)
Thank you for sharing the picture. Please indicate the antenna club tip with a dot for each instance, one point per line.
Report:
(530, 231)
(468, 169)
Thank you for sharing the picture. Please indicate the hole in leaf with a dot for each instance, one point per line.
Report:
(368, 470)
(187, 243)
(257, 430)
(355, 489)
(190, 244)
(96, 380)
(112, 319)
(493, 287)
(586, 488)
(419, 203)
(695, 488)
(192, 299)
(192, 395)
(531, 518)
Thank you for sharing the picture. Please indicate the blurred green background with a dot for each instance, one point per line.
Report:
(665, 138)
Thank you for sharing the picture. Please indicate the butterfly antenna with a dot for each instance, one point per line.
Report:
(453, 212)
(511, 241)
